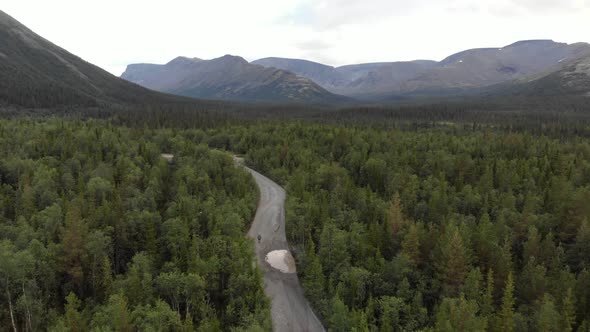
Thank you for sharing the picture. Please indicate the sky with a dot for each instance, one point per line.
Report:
(115, 33)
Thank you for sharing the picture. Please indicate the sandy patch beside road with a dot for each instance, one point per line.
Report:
(281, 260)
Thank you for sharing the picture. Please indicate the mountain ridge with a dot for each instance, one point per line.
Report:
(465, 70)
(40, 74)
(228, 77)
(571, 78)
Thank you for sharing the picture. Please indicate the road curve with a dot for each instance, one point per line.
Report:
(289, 308)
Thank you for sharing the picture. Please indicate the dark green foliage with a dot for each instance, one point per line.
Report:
(99, 232)
(432, 228)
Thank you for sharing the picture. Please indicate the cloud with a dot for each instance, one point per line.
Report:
(112, 33)
(550, 5)
(330, 14)
(313, 45)
(513, 8)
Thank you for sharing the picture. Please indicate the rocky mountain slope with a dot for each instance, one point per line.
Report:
(570, 79)
(354, 80)
(227, 78)
(36, 73)
(470, 69)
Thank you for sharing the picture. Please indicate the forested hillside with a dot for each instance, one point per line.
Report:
(444, 229)
(98, 232)
(38, 74)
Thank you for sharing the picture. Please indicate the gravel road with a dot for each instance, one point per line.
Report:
(290, 309)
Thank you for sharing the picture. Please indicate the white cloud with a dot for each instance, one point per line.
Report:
(113, 33)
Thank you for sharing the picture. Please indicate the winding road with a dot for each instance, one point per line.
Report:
(289, 308)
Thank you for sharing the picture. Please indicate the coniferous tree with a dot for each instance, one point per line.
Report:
(507, 309)
(547, 316)
(487, 306)
(568, 312)
(339, 315)
(454, 261)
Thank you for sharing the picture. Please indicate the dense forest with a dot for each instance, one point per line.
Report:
(98, 232)
(444, 229)
(457, 223)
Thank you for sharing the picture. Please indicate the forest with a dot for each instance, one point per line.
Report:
(432, 229)
(98, 232)
(455, 223)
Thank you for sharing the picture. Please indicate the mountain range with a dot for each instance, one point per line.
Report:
(465, 72)
(571, 79)
(227, 78)
(38, 74)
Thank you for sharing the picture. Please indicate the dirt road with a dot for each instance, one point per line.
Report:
(290, 309)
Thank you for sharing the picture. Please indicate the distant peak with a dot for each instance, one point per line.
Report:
(228, 58)
(532, 42)
(232, 57)
(183, 60)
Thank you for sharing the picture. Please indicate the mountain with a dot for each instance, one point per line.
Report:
(470, 69)
(570, 79)
(485, 67)
(319, 73)
(353, 80)
(227, 78)
(36, 73)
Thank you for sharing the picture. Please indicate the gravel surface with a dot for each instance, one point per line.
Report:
(290, 309)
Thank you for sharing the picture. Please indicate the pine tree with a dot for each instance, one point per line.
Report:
(459, 315)
(454, 262)
(339, 319)
(314, 281)
(121, 316)
(579, 253)
(471, 288)
(106, 280)
(361, 325)
(74, 246)
(73, 317)
(568, 312)
(532, 247)
(507, 310)
(28, 201)
(487, 306)
(411, 244)
(547, 316)
(395, 219)
(391, 313)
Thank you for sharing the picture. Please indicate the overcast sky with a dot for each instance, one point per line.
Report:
(114, 33)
